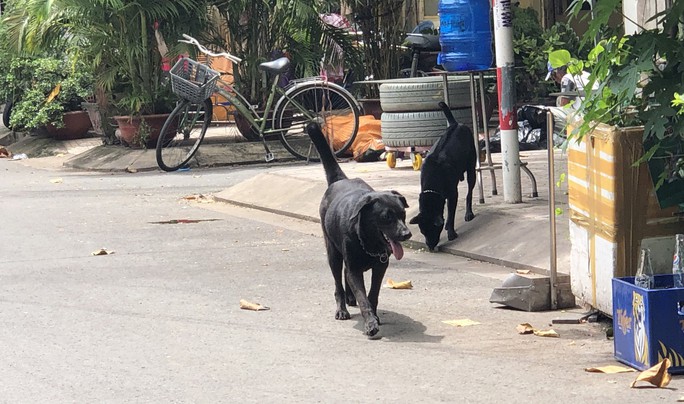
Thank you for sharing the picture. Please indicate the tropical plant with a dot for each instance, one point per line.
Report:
(259, 31)
(49, 87)
(531, 45)
(637, 78)
(116, 37)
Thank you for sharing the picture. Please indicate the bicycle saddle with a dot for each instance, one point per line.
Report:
(279, 65)
(423, 42)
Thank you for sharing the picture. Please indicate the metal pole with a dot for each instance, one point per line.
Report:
(486, 133)
(552, 210)
(478, 164)
(508, 117)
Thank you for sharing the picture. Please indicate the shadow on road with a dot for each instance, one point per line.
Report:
(399, 328)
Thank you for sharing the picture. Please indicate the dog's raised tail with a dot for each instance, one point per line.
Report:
(333, 172)
(447, 113)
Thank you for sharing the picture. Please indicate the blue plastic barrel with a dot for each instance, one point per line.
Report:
(465, 34)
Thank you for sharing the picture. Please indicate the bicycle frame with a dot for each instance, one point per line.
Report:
(245, 109)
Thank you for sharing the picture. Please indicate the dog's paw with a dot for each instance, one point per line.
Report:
(342, 315)
(452, 235)
(372, 326)
(469, 216)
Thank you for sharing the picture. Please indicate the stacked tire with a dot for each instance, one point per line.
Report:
(411, 115)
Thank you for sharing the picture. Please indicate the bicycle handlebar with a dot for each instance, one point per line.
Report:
(192, 41)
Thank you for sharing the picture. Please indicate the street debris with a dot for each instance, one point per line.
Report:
(399, 285)
(657, 375)
(102, 251)
(4, 153)
(56, 180)
(131, 170)
(523, 271)
(201, 198)
(184, 221)
(610, 369)
(527, 328)
(245, 305)
(20, 156)
(464, 322)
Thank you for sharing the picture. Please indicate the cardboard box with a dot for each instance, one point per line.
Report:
(613, 213)
(647, 325)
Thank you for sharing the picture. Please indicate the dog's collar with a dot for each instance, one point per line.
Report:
(430, 191)
(383, 256)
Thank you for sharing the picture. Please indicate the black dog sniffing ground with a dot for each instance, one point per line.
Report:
(361, 229)
(452, 157)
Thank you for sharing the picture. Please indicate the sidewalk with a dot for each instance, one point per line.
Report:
(514, 235)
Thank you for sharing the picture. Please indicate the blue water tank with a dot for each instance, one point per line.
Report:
(465, 34)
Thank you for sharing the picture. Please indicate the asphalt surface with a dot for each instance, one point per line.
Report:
(159, 319)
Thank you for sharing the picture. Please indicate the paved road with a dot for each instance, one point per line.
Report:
(158, 320)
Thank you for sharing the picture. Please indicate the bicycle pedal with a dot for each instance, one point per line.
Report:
(269, 157)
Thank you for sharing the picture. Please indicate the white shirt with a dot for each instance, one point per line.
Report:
(576, 83)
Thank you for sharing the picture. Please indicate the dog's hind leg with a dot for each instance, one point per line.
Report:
(349, 293)
(449, 226)
(355, 281)
(335, 261)
(469, 215)
(376, 283)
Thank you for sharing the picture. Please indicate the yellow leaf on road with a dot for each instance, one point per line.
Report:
(657, 375)
(610, 369)
(245, 305)
(461, 323)
(399, 285)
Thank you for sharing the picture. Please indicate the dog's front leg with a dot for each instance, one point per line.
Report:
(469, 215)
(376, 283)
(449, 226)
(355, 281)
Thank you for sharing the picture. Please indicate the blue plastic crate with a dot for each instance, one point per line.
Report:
(647, 325)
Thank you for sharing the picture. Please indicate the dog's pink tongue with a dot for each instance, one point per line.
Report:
(397, 249)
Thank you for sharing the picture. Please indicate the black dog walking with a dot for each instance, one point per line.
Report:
(361, 228)
(444, 167)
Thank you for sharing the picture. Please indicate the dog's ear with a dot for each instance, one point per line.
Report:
(362, 203)
(401, 198)
(415, 219)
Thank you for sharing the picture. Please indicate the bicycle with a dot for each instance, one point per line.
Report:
(300, 102)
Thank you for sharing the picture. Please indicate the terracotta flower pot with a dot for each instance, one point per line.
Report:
(129, 128)
(76, 126)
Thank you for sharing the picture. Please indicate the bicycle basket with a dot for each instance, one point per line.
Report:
(192, 80)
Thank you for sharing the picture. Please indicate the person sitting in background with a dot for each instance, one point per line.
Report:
(569, 83)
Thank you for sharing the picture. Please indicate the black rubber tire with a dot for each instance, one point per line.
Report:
(326, 103)
(182, 135)
(6, 113)
(423, 94)
(408, 129)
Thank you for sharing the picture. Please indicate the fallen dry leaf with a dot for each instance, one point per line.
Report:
(4, 153)
(461, 323)
(399, 285)
(546, 333)
(525, 328)
(102, 251)
(132, 170)
(245, 305)
(523, 271)
(657, 375)
(610, 369)
(56, 180)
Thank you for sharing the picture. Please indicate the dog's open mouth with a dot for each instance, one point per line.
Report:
(397, 249)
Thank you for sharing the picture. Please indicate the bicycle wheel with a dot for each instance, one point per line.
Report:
(329, 105)
(182, 134)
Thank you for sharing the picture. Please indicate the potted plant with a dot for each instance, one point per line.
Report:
(118, 40)
(51, 98)
(626, 188)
